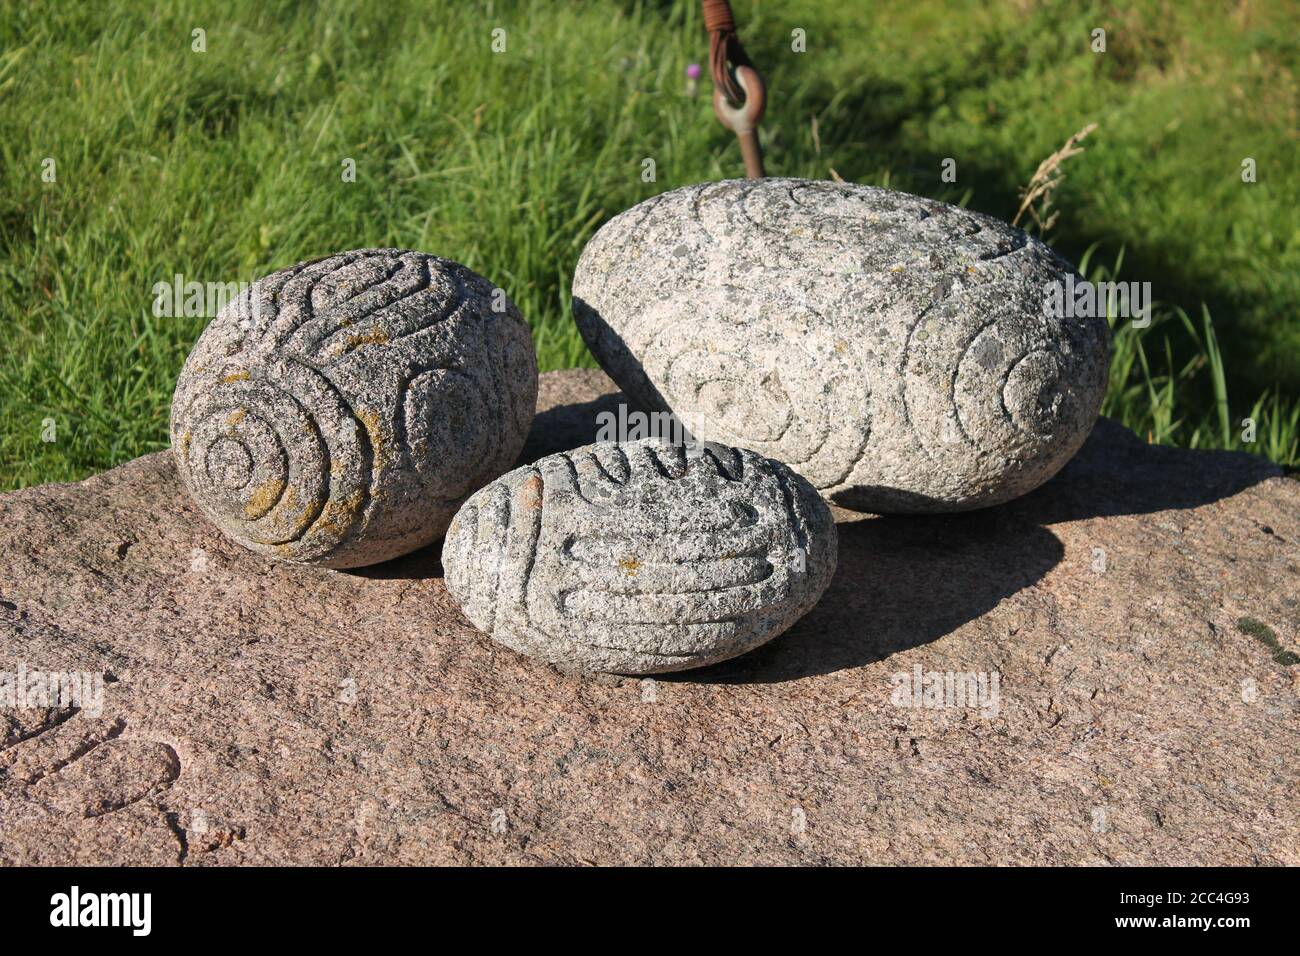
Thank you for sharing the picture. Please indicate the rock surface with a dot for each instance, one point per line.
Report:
(639, 557)
(340, 411)
(898, 352)
(261, 712)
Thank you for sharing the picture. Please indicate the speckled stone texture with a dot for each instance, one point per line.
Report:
(897, 352)
(340, 411)
(257, 712)
(639, 558)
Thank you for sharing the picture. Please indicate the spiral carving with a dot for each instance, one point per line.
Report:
(838, 228)
(894, 350)
(741, 370)
(341, 410)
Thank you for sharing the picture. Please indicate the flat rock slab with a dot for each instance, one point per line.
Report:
(256, 712)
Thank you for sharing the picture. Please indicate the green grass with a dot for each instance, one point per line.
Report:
(225, 165)
(1268, 637)
(1172, 401)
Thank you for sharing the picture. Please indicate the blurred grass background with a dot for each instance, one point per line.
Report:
(225, 165)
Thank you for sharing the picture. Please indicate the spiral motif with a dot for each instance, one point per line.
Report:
(892, 349)
(737, 373)
(836, 227)
(281, 462)
(984, 380)
(341, 410)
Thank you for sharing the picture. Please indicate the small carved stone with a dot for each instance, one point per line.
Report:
(641, 557)
(341, 410)
(896, 351)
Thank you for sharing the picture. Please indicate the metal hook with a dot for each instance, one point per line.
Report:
(743, 120)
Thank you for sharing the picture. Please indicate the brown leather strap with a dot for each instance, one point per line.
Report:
(718, 16)
(724, 46)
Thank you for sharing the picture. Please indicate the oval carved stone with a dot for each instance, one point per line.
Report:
(898, 352)
(640, 558)
(338, 412)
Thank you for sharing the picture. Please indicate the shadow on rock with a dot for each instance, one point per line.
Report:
(902, 582)
(1114, 473)
(416, 566)
(1117, 473)
(566, 424)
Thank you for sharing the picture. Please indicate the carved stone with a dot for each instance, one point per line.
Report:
(896, 351)
(640, 558)
(340, 411)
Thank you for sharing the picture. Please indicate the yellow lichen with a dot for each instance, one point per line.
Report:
(338, 516)
(241, 376)
(630, 564)
(298, 517)
(375, 336)
(372, 422)
(263, 497)
(235, 417)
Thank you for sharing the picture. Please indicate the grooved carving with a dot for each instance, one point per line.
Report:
(895, 351)
(339, 411)
(640, 557)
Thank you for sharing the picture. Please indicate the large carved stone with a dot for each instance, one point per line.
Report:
(341, 410)
(897, 352)
(639, 558)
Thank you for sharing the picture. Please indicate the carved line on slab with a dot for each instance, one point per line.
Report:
(87, 743)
